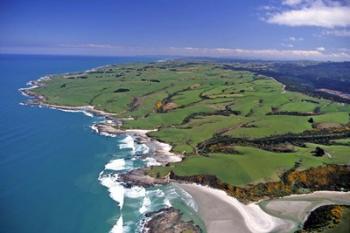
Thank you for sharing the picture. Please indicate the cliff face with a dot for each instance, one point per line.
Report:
(329, 177)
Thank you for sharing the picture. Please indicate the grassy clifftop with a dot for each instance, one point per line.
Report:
(241, 127)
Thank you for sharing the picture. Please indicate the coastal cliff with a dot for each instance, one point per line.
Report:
(209, 122)
(329, 177)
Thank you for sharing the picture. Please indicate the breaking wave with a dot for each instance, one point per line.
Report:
(115, 189)
(118, 227)
(109, 178)
(116, 165)
(135, 201)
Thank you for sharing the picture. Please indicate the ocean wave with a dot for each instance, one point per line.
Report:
(108, 135)
(108, 121)
(187, 198)
(118, 227)
(95, 129)
(158, 193)
(115, 189)
(128, 143)
(145, 200)
(141, 149)
(86, 113)
(151, 162)
(135, 192)
(167, 202)
(116, 165)
(89, 114)
(146, 204)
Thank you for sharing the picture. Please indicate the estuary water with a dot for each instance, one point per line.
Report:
(57, 175)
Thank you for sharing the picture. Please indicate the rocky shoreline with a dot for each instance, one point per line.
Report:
(139, 178)
(169, 220)
(160, 154)
(162, 221)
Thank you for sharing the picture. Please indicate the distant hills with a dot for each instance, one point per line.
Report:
(329, 80)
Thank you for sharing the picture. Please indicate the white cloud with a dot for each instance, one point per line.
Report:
(346, 50)
(291, 2)
(292, 54)
(288, 45)
(291, 41)
(318, 13)
(89, 45)
(338, 33)
(294, 39)
(113, 50)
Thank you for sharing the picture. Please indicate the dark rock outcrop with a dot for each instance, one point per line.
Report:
(168, 220)
(139, 178)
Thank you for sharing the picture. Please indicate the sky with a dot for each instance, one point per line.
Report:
(262, 29)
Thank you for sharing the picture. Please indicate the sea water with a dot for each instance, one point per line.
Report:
(57, 175)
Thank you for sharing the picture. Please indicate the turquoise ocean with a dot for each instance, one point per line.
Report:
(57, 175)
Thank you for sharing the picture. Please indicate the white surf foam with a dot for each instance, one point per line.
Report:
(135, 192)
(116, 190)
(188, 199)
(141, 149)
(116, 165)
(128, 143)
(151, 162)
(94, 128)
(145, 205)
(108, 134)
(86, 113)
(108, 121)
(65, 110)
(167, 202)
(157, 193)
(118, 227)
(89, 114)
(43, 78)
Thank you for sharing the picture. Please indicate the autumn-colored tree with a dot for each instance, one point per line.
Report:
(337, 212)
(158, 106)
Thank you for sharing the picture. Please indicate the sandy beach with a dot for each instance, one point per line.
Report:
(224, 214)
(221, 213)
(298, 207)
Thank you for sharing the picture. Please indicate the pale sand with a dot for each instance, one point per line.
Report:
(162, 151)
(224, 214)
(142, 132)
(298, 207)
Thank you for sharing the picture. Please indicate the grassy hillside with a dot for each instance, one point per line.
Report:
(241, 127)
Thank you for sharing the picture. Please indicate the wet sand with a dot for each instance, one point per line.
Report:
(298, 207)
(224, 214)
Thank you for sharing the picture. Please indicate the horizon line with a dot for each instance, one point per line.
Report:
(175, 57)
